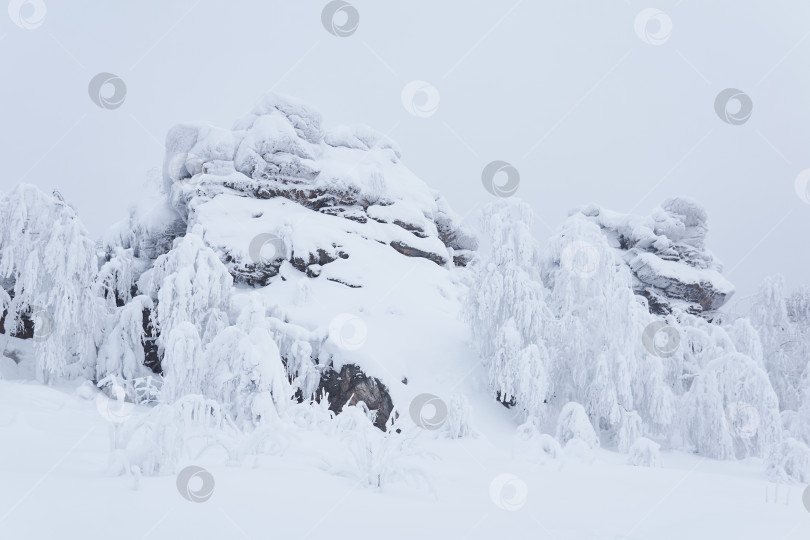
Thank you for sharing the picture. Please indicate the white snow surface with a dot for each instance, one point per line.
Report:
(54, 446)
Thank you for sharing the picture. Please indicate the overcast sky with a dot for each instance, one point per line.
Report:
(589, 106)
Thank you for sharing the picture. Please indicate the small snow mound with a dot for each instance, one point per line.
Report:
(86, 391)
(574, 424)
(580, 450)
(645, 453)
(538, 444)
(548, 445)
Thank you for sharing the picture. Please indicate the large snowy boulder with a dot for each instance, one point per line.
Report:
(348, 180)
(667, 255)
(281, 231)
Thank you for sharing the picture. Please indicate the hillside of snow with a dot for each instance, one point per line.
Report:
(296, 327)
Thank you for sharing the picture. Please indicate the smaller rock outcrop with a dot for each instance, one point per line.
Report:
(667, 256)
(351, 386)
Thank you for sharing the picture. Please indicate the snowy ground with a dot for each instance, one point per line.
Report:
(54, 454)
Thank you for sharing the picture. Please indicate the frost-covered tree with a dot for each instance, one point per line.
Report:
(116, 277)
(301, 369)
(800, 421)
(705, 424)
(189, 284)
(782, 323)
(798, 307)
(50, 264)
(575, 305)
(246, 375)
(630, 429)
(374, 457)
(239, 366)
(600, 350)
(459, 413)
(599, 359)
(184, 365)
(788, 460)
(158, 441)
(506, 309)
(122, 352)
(732, 410)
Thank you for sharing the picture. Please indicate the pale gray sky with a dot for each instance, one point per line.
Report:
(566, 91)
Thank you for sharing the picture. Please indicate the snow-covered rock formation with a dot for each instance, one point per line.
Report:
(288, 273)
(278, 238)
(666, 252)
(281, 153)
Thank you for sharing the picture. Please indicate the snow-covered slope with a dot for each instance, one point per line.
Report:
(54, 445)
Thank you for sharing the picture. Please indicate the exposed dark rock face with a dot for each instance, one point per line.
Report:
(320, 258)
(27, 330)
(667, 256)
(250, 273)
(151, 358)
(350, 385)
(348, 204)
(463, 258)
(416, 231)
(314, 198)
(261, 273)
(346, 283)
(415, 252)
(453, 236)
(352, 214)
